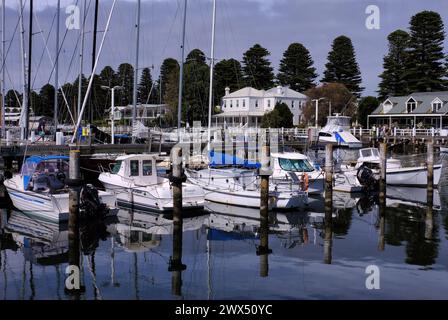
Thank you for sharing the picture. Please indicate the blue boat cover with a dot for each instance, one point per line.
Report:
(31, 163)
(219, 235)
(218, 159)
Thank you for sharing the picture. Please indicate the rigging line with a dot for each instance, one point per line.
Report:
(10, 44)
(53, 63)
(45, 44)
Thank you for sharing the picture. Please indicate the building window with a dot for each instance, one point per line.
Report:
(231, 103)
(269, 103)
(436, 106)
(411, 105)
(292, 103)
(256, 103)
(244, 103)
(237, 103)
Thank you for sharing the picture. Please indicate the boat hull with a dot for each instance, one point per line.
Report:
(412, 177)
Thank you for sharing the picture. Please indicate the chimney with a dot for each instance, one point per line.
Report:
(279, 90)
(227, 91)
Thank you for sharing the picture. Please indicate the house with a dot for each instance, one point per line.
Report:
(419, 110)
(145, 112)
(246, 107)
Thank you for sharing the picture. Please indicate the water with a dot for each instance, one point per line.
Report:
(128, 258)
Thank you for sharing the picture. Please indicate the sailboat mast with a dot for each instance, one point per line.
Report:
(56, 71)
(3, 69)
(30, 49)
(24, 86)
(137, 49)
(81, 58)
(95, 31)
(212, 66)
(181, 73)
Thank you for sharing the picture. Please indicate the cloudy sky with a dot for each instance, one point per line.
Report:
(240, 24)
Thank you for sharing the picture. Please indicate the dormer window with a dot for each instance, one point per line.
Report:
(411, 105)
(436, 105)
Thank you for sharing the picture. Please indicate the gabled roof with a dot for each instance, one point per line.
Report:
(424, 103)
(251, 92)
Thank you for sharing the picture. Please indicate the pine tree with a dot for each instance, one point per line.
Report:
(296, 68)
(426, 67)
(145, 87)
(46, 98)
(257, 69)
(169, 65)
(393, 81)
(342, 66)
(125, 78)
(227, 73)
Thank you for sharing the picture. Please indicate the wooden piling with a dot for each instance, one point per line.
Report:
(177, 178)
(328, 223)
(328, 168)
(265, 171)
(383, 167)
(73, 222)
(430, 166)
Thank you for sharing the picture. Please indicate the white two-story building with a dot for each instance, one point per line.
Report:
(246, 107)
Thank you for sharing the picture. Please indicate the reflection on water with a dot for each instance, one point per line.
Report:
(231, 253)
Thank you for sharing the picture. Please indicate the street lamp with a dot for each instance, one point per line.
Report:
(112, 109)
(317, 108)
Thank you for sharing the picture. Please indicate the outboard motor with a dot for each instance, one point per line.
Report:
(90, 204)
(367, 178)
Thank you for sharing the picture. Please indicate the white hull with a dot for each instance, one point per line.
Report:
(48, 207)
(413, 176)
(146, 198)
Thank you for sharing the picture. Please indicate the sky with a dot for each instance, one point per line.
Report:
(274, 24)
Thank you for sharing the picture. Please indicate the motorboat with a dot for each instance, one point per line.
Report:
(396, 173)
(40, 188)
(286, 163)
(136, 184)
(337, 132)
(241, 187)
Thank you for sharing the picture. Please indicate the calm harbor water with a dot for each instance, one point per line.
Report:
(128, 257)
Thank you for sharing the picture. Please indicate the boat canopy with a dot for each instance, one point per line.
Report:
(33, 164)
(218, 159)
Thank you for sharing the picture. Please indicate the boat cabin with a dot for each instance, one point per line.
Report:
(45, 173)
(291, 162)
(141, 168)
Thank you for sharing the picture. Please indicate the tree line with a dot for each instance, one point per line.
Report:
(415, 62)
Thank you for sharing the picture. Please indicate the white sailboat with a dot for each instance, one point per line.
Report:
(135, 182)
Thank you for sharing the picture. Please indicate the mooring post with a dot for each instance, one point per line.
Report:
(430, 166)
(177, 178)
(383, 167)
(74, 183)
(328, 203)
(328, 169)
(265, 171)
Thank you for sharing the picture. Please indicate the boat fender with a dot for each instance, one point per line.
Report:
(305, 182)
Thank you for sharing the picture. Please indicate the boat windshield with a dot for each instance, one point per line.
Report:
(295, 165)
(45, 167)
(116, 167)
(367, 153)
